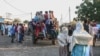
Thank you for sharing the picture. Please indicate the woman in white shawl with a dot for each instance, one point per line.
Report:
(62, 40)
(81, 42)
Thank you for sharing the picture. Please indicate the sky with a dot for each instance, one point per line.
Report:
(22, 8)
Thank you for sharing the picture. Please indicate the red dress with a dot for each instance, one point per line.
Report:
(38, 29)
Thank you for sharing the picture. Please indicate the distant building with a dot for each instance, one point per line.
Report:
(5, 20)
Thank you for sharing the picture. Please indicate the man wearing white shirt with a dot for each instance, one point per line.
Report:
(19, 31)
(9, 29)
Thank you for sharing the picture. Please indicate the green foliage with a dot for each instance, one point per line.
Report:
(26, 21)
(17, 20)
(89, 10)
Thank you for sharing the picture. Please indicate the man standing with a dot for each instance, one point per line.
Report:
(46, 15)
(9, 30)
(19, 33)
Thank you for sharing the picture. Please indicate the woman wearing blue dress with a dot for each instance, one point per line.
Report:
(81, 42)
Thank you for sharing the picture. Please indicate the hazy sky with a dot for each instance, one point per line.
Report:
(25, 7)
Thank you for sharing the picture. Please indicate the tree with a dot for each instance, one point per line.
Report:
(89, 10)
(17, 20)
(26, 21)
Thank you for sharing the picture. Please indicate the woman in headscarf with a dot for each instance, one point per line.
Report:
(81, 42)
(62, 40)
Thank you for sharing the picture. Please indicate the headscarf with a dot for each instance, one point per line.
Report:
(79, 27)
(64, 30)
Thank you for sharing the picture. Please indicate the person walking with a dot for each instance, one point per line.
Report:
(12, 33)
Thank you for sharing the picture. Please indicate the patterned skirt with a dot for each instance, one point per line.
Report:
(63, 51)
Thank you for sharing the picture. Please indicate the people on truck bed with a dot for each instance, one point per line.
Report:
(47, 19)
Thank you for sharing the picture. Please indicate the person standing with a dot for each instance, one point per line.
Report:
(82, 42)
(46, 15)
(70, 33)
(94, 31)
(62, 41)
(36, 18)
(2, 29)
(9, 28)
(86, 25)
(41, 16)
(52, 15)
(19, 33)
(22, 32)
(12, 33)
(6, 29)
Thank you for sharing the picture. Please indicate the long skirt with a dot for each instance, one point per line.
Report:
(82, 50)
(63, 51)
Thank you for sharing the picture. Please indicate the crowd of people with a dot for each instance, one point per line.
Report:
(93, 28)
(15, 31)
(75, 41)
(80, 40)
(45, 23)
